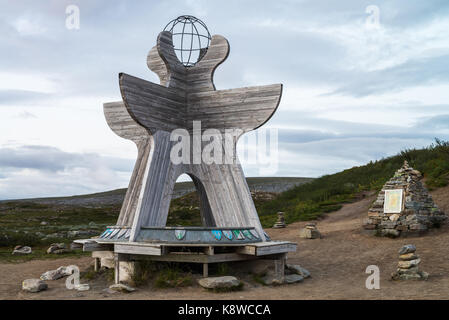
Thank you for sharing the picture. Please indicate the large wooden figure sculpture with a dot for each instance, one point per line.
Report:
(150, 112)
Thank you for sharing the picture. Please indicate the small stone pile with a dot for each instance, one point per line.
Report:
(408, 265)
(280, 223)
(310, 232)
(418, 214)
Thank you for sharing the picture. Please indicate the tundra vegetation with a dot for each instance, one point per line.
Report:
(37, 224)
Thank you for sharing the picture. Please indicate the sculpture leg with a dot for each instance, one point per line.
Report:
(130, 202)
(206, 212)
(158, 181)
(228, 195)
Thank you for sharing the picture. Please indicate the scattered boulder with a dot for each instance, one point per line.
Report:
(57, 248)
(34, 285)
(64, 271)
(280, 223)
(296, 269)
(408, 265)
(59, 273)
(52, 275)
(310, 232)
(293, 278)
(22, 250)
(44, 223)
(121, 288)
(219, 282)
(82, 287)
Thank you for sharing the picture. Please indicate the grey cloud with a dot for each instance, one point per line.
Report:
(411, 73)
(53, 159)
(53, 172)
(8, 97)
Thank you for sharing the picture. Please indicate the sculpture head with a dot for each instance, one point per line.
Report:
(187, 66)
(191, 39)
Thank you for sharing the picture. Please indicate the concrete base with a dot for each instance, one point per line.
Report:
(126, 271)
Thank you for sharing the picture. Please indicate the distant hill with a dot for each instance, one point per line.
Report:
(48, 220)
(329, 192)
(115, 197)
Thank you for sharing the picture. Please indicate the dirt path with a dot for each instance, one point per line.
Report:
(337, 262)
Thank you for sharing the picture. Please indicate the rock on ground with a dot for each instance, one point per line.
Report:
(58, 248)
(51, 275)
(18, 250)
(34, 285)
(59, 273)
(298, 270)
(219, 282)
(293, 278)
(65, 271)
(308, 233)
(82, 287)
(121, 288)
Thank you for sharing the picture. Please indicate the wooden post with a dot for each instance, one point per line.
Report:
(205, 270)
(279, 267)
(117, 268)
(96, 264)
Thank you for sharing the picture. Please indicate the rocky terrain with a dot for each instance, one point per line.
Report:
(337, 262)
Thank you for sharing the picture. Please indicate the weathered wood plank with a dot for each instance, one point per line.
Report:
(94, 246)
(133, 249)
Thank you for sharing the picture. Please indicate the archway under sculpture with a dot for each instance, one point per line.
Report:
(186, 99)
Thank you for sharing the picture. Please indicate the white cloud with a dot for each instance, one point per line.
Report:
(43, 83)
(26, 27)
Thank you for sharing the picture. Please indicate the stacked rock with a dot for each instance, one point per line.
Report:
(408, 265)
(310, 232)
(280, 223)
(418, 214)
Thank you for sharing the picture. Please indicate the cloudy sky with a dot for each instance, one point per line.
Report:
(354, 90)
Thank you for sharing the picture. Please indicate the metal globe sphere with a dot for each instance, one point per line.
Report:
(191, 38)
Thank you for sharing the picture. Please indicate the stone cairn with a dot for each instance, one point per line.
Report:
(418, 214)
(280, 223)
(310, 232)
(408, 265)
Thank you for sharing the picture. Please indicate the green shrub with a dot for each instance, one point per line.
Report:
(172, 278)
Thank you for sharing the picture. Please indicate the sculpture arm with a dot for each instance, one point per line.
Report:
(153, 106)
(245, 108)
(121, 123)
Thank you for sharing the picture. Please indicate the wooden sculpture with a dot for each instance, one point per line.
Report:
(150, 112)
